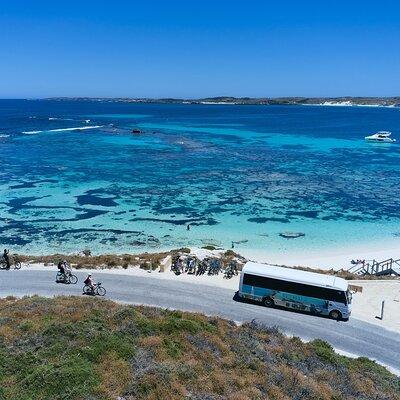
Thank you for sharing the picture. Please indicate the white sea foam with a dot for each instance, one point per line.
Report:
(3, 135)
(78, 128)
(60, 119)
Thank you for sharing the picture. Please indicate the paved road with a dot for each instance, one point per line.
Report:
(355, 337)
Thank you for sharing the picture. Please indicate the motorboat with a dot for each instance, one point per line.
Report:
(381, 136)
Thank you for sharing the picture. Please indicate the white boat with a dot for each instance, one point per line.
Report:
(381, 136)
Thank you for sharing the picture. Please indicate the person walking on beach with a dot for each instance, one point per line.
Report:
(6, 258)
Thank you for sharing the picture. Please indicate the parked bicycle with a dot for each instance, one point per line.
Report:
(214, 266)
(190, 267)
(231, 270)
(177, 266)
(202, 267)
(96, 290)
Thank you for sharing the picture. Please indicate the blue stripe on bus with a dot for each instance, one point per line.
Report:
(259, 293)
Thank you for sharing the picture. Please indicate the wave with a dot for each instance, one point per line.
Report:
(60, 119)
(3, 135)
(79, 128)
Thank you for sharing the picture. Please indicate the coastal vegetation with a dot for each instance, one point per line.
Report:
(84, 348)
(345, 100)
(86, 260)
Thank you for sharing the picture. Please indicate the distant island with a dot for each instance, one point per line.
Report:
(321, 101)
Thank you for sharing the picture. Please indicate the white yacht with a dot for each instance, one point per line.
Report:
(381, 136)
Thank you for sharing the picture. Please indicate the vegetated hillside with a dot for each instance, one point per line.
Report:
(85, 348)
(383, 101)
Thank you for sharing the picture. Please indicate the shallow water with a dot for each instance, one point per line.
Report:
(241, 174)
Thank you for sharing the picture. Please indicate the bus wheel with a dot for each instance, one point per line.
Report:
(335, 314)
(268, 302)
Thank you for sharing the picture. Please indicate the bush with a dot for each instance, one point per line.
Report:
(72, 348)
(324, 351)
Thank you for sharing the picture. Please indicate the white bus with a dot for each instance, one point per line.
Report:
(296, 289)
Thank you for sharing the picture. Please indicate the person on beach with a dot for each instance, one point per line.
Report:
(6, 258)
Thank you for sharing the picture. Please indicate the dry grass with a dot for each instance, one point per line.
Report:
(84, 348)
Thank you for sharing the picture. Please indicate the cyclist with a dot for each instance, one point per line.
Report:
(67, 268)
(6, 258)
(89, 282)
(61, 270)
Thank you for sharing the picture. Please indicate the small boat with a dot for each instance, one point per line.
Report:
(381, 136)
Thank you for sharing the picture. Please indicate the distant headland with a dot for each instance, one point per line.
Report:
(321, 101)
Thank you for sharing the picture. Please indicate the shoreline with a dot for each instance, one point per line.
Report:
(335, 258)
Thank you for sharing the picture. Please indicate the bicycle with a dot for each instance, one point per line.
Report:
(231, 270)
(214, 266)
(16, 263)
(67, 278)
(190, 267)
(97, 290)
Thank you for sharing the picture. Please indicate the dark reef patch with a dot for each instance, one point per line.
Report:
(263, 220)
(182, 210)
(20, 202)
(93, 200)
(191, 221)
(14, 240)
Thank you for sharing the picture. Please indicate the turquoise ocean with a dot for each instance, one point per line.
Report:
(238, 175)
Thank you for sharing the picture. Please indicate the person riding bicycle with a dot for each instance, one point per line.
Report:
(6, 258)
(67, 268)
(61, 270)
(89, 282)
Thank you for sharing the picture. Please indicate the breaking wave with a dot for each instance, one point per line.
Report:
(60, 119)
(79, 128)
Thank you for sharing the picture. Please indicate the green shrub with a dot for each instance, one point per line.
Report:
(324, 351)
(88, 349)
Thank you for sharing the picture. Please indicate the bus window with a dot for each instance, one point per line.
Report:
(295, 288)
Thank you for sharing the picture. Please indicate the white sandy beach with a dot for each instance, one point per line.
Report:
(327, 259)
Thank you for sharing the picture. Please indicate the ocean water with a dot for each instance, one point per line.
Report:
(238, 175)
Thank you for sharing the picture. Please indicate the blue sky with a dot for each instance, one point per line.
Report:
(195, 49)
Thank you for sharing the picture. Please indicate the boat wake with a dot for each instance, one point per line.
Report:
(79, 128)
